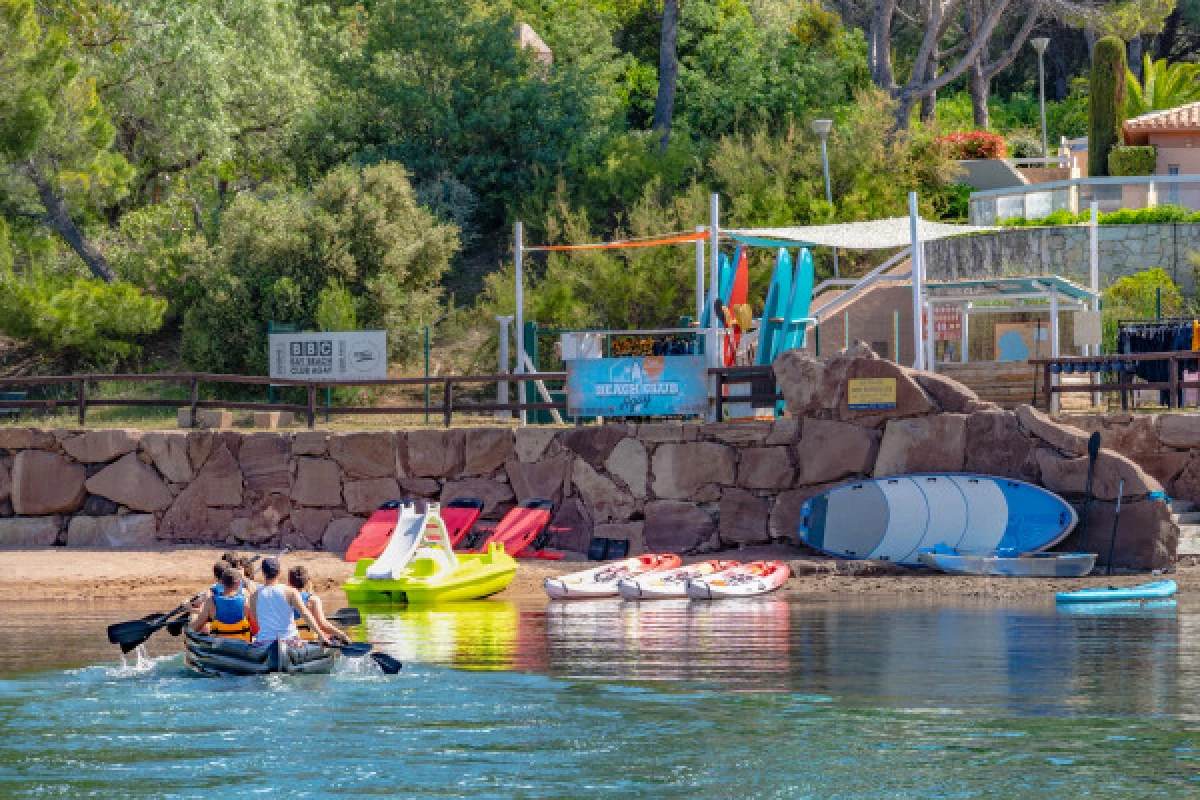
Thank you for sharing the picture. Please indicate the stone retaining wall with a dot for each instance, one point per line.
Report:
(673, 486)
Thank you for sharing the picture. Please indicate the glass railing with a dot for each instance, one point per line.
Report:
(1076, 195)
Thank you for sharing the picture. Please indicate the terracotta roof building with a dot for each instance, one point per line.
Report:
(1174, 132)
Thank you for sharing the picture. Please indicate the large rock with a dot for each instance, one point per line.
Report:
(28, 531)
(545, 479)
(265, 461)
(604, 500)
(1146, 537)
(925, 444)
(264, 521)
(532, 444)
(365, 455)
(594, 443)
(665, 432)
(192, 516)
(364, 497)
(126, 530)
(200, 446)
(95, 447)
(1168, 469)
(676, 527)
(26, 439)
(5, 482)
(630, 464)
(1068, 476)
(341, 533)
(310, 523)
(46, 483)
(996, 445)
(784, 523)
(318, 482)
(571, 527)
(1179, 430)
(487, 449)
(1066, 438)
(743, 518)
(1131, 434)
(495, 496)
(169, 452)
(948, 393)
(831, 450)
(435, 454)
(748, 432)
(420, 487)
(817, 387)
(765, 468)
(784, 431)
(310, 443)
(131, 483)
(220, 480)
(681, 469)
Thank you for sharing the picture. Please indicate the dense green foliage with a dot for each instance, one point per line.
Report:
(356, 248)
(1107, 91)
(1138, 296)
(1126, 161)
(1160, 215)
(1162, 86)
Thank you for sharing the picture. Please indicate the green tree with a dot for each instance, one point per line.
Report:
(1163, 86)
(278, 255)
(56, 157)
(1107, 102)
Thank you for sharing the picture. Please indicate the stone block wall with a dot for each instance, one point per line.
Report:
(666, 486)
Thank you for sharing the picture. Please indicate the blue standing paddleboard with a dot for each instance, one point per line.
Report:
(798, 305)
(775, 309)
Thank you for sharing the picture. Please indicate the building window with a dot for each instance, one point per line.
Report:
(1173, 189)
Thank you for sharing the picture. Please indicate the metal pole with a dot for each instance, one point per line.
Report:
(966, 334)
(427, 374)
(502, 394)
(829, 197)
(699, 277)
(1042, 96)
(1055, 399)
(896, 336)
(918, 337)
(714, 344)
(519, 268)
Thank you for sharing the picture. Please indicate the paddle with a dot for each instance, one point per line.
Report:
(133, 633)
(389, 665)
(1112, 542)
(1093, 448)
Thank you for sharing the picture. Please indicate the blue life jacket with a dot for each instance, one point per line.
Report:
(303, 599)
(230, 610)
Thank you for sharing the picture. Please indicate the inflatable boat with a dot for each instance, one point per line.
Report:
(602, 581)
(221, 655)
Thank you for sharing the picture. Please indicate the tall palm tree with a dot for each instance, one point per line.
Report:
(1162, 86)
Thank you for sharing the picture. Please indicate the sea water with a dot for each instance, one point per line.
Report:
(729, 699)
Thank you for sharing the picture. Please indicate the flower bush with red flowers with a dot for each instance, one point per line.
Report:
(973, 144)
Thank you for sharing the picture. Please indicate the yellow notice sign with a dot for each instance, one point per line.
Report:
(867, 394)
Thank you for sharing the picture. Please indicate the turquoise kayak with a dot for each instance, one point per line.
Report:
(1145, 591)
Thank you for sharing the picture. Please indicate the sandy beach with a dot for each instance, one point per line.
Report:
(150, 576)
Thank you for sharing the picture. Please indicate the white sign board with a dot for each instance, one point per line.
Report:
(329, 357)
(1089, 328)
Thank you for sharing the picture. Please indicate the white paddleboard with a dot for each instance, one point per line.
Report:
(892, 519)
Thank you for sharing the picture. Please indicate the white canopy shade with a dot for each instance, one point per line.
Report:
(879, 234)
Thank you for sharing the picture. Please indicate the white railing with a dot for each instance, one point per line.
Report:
(861, 285)
(1110, 194)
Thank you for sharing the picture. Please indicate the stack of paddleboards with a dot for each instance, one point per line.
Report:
(653, 577)
(965, 524)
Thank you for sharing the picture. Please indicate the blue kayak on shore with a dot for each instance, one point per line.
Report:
(1108, 594)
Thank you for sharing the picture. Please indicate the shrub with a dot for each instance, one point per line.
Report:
(1025, 144)
(973, 145)
(1129, 161)
(1107, 99)
(83, 321)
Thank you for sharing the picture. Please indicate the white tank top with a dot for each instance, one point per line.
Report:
(274, 615)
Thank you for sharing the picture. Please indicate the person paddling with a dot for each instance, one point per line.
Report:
(273, 607)
(224, 612)
(298, 580)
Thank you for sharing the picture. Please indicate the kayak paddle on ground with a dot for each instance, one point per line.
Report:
(133, 633)
(1093, 448)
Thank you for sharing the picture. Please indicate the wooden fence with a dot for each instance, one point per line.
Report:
(1120, 367)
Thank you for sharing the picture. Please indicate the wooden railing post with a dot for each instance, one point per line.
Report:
(447, 410)
(720, 399)
(1046, 385)
(195, 400)
(81, 392)
(312, 406)
(1173, 379)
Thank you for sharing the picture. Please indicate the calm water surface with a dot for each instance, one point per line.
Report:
(732, 699)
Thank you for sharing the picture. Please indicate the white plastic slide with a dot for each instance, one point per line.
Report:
(410, 526)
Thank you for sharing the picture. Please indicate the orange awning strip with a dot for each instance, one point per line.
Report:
(677, 238)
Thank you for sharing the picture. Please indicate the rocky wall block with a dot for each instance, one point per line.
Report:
(680, 469)
(46, 483)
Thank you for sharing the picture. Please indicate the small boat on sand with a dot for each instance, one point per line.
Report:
(670, 582)
(602, 581)
(745, 580)
(1025, 565)
(222, 655)
(1109, 594)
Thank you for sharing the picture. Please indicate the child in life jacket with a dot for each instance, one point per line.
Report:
(224, 612)
(298, 580)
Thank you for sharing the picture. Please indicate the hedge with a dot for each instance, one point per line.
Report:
(1106, 103)
(1159, 215)
(1127, 161)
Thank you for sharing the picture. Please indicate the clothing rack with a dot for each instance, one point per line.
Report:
(1159, 335)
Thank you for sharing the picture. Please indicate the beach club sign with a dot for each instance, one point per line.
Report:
(329, 357)
(637, 386)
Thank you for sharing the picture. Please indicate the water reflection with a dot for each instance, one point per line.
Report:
(478, 635)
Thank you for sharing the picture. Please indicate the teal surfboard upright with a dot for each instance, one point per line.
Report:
(725, 279)
(775, 309)
(798, 306)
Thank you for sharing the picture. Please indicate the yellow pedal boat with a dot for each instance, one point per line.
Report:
(431, 572)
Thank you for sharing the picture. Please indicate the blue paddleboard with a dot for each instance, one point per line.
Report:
(893, 519)
(798, 305)
(1109, 594)
(775, 308)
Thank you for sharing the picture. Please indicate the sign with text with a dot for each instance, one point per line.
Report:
(947, 323)
(637, 386)
(329, 357)
(871, 394)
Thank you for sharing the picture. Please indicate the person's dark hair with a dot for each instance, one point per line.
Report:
(298, 577)
(248, 569)
(219, 568)
(230, 557)
(270, 568)
(231, 578)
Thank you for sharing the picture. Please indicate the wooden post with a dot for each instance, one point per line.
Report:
(195, 400)
(447, 411)
(1173, 380)
(1046, 384)
(82, 397)
(720, 410)
(312, 406)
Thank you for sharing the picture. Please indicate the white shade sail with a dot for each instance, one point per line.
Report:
(879, 234)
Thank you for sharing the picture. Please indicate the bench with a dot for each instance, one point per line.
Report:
(15, 412)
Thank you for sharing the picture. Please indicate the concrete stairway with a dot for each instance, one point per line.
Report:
(1188, 519)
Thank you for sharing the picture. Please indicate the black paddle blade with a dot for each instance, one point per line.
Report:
(176, 626)
(346, 616)
(355, 649)
(389, 665)
(136, 631)
(1094, 445)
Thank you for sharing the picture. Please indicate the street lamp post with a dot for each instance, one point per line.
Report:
(822, 127)
(1039, 44)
